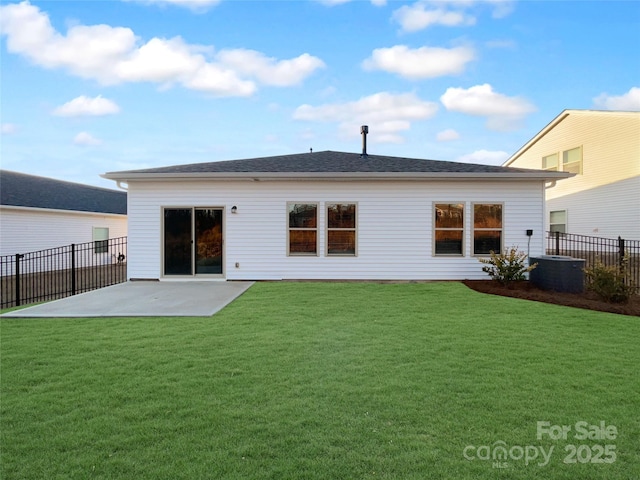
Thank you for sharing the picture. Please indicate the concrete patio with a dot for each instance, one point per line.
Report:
(142, 299)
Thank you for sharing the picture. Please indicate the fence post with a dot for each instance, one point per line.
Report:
(18, 257)
(73, 269)
(557, 243)
(621, 252)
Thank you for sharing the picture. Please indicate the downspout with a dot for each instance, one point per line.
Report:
(119, 184)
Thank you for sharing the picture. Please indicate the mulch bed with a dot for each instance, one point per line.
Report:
(587, 300)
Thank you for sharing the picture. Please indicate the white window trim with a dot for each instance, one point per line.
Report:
(434, 229)
(99, 238)
(317, 230)
(552, 169)
(580, 162)
(474, 229)
(566, 219)
(355, 229)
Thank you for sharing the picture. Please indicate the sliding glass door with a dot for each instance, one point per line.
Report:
(193, 241)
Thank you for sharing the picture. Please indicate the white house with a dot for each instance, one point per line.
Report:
(38, 213)
(602, 148)
(329, 215)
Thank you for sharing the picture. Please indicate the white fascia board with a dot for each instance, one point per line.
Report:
(60, 211)
(341, 176)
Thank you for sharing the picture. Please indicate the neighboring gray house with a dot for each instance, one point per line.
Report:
(329, 215)
(38, 213)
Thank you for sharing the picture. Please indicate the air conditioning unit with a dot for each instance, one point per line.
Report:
(558, 273)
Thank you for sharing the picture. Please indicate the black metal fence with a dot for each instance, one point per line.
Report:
(610, 252)
(63, 271)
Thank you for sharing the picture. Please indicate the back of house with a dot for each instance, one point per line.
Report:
(329, 215)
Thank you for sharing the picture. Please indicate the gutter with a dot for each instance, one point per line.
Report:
(340, 176)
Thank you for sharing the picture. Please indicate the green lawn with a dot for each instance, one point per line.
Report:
(326, 381)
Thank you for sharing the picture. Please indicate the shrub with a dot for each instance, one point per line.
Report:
(507, 267)
(612, 283)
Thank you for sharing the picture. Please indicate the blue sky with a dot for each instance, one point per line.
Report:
(90, 87)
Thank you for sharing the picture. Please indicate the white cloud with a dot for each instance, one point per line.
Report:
(386, 114)
(424, 62)
(268, 70)
(502, 112)
(419, 16)
(447, 135)
(333, 3)
(85, 106)
(485, 157)
(195, 5)
(8, 128)
(629, 101)
(220, 81)
(448, 13)
(114, 55)
(502, 8)
(86, 139)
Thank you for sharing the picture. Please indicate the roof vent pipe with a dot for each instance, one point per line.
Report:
(364, 129)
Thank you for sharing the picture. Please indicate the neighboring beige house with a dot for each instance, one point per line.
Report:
(602, 149)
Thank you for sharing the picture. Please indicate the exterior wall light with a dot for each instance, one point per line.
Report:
(234, 209)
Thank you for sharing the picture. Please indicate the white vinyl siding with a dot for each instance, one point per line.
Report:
(605, 211)
(394, 226)
(28, 230)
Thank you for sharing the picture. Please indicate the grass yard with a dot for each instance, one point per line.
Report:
(324, 381)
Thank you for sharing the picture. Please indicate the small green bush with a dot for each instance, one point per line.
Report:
(507, 267)
(612, 283)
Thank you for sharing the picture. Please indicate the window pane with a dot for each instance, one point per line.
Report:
(558, 216)
(449, 215)
(177, 241)
(572, 167)
(550, 162)
(449, 242)
(303, 241)
(341, 242)
(341, 216)
(208, 245)
(101, 240)
(487, 216)
(571, 156)
(485, 241)
(558, 228)
(302, 215)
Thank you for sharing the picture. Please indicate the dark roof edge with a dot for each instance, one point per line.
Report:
(60, 210)
(339, 176)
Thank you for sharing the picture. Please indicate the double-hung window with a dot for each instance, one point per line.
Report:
(303, 228)
(449, 229)
(558, 221)
(572, 160)
(487, 228)
(341, 229)
(100, 240)
(550, 162)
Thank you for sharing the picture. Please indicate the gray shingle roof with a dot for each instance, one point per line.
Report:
(325, 162)
(22, 190)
